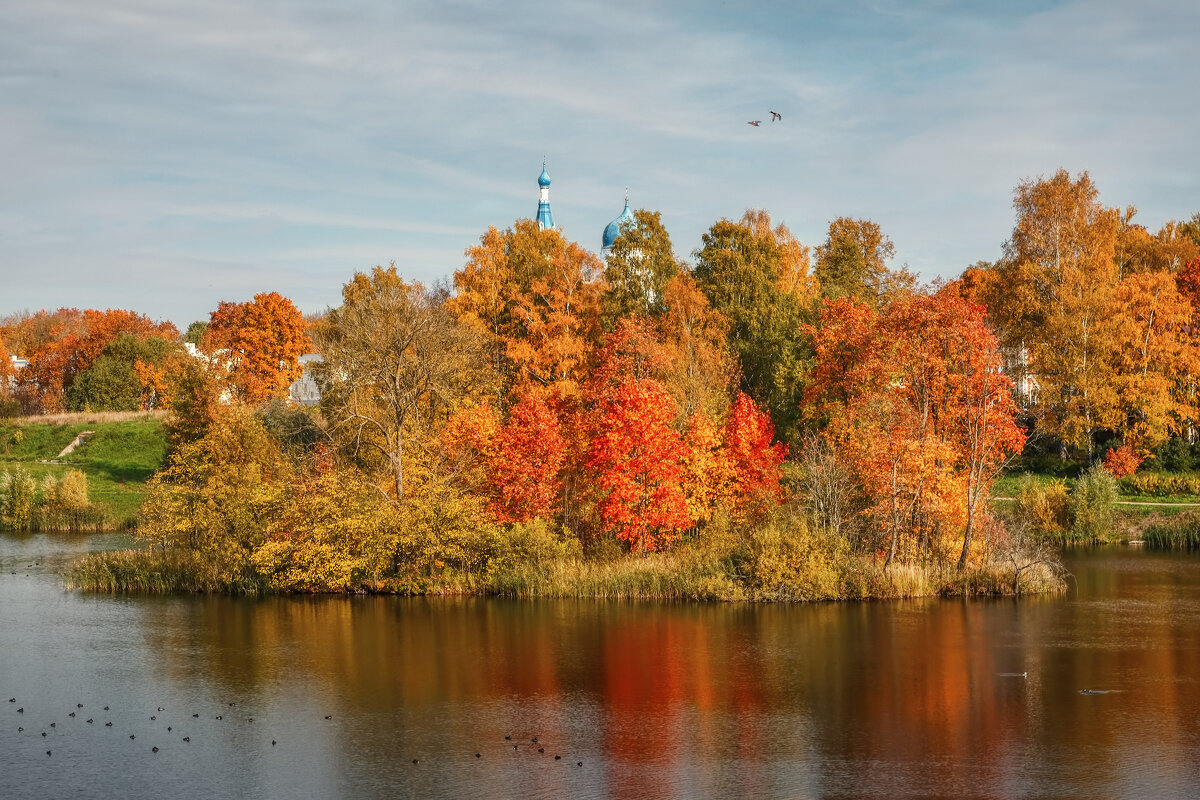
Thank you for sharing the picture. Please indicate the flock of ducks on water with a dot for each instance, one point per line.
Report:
(78, 712)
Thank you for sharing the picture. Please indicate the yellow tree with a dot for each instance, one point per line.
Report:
(700, 371)
(1153, 360)
(1059, 276)
(535, 296)
(396, 365)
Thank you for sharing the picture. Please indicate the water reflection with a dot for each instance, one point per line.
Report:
(923, 698)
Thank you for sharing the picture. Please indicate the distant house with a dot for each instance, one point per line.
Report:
(304, 390)
(18, 364)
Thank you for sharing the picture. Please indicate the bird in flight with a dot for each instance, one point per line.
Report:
(755, 123)
(775, 116)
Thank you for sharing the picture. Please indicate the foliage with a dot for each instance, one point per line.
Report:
(747, 272)
(635, 459)
(1092, 504)
(17, 495)
(912, 398)
(1046, 506)
(788, 561)
(65, 503)
(217, 498)
(126, 376)
(853, 262)
(66, 344)
(330, 535)
(1153, 484)
(1121, 462)
(396, 366)
(638, 267)
(534, 297)
(255, 347)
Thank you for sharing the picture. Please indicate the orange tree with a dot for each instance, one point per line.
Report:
(914, 398)
(256, 346)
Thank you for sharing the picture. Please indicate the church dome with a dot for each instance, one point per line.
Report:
(544, 179)
(613, 229)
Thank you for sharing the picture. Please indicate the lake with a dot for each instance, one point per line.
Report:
(1092, 694)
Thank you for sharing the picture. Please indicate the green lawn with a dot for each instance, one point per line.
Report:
(118, 458)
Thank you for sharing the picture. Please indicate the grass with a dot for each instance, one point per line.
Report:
(118, 458)
(1177, 532)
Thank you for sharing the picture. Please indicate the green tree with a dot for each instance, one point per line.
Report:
(640, 264)
(740, 273)
(853, 262)
(113, 381)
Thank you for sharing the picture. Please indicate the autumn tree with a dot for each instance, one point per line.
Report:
(535, 297)
(700, 371)
(852, 262)
(635, 458)
(1153, 359)
(740, 269)
(638, 267)
(218, 498)
(1059, 276)
(129, 374)
(256, 346)
(522, 459)
(914, 399)
(396, 365)
(68, 342)
(754, 458)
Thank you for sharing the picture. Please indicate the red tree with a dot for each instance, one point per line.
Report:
(754, 458)
(635, 458)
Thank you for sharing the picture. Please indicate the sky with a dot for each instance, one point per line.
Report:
(166, 155)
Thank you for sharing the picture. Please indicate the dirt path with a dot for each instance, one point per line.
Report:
(75, 443)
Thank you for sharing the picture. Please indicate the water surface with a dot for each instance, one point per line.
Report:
(336, 697)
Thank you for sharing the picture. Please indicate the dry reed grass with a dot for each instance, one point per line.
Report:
(87, 417)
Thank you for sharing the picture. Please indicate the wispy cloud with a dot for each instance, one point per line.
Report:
(163, 154)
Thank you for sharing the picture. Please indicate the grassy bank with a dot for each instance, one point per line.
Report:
(687, 574)
(118, 457)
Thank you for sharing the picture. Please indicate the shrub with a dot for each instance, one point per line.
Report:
(789, 561)
(17, 493)
(1175, 455)
(1121, 462)
(1092, 504)
(1045, 505)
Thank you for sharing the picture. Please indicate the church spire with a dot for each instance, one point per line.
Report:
(544, 218)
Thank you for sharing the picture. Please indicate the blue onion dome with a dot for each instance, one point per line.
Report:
(544, 180)
(613, 229)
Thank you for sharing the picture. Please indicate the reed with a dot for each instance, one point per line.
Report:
(1176, 532)
(152, 572)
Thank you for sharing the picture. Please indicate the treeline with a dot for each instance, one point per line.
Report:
(119, 360)
(772, 421)
(1099, 319)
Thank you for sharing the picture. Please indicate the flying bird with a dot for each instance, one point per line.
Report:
(755, 123)
(775, 116)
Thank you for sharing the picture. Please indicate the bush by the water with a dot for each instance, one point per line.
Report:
(1176, 532)
(1092, 505)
